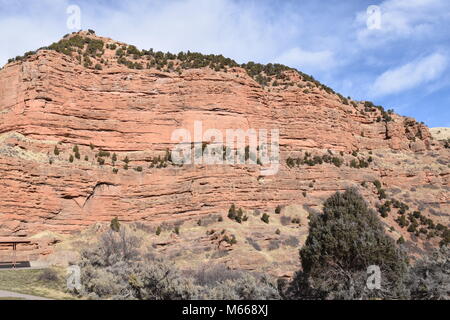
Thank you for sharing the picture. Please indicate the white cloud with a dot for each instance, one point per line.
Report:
(308, 60)
(28, 27)
(240, 30)
(410, 75)
(405, 19)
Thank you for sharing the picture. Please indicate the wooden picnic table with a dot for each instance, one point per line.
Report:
(14, 242)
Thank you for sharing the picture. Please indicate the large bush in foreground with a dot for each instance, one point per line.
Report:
(342, 243)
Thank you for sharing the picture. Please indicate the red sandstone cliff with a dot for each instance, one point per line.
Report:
(49, 99)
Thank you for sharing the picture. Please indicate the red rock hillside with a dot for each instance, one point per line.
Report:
(85, 125)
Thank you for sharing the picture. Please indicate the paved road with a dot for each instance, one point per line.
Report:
(9, 294)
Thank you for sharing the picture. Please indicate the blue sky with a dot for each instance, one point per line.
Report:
(399, 58)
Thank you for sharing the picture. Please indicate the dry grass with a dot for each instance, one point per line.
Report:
(440, 133)
(27, 281)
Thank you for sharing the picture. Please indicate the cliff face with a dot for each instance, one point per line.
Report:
(50, 101)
